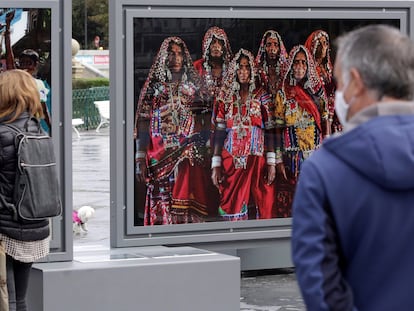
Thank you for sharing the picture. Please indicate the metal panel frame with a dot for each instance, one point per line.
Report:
(61, 50)
(122, 12)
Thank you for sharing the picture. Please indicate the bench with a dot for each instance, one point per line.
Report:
(103, 108)
(75, 123)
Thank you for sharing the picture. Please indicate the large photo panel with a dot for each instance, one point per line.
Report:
(192, 122)
(208, 133)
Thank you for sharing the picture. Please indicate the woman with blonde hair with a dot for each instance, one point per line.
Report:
(24, 241)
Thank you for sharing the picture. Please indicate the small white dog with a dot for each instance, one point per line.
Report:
(81, 217)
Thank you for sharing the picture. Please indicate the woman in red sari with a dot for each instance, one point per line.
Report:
(169, 147)
(301, 118)
(244, 134)
(212, 66)
(318, 44)
(270, 61)
(216, 56)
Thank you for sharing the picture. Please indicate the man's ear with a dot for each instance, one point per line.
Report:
(358, 86)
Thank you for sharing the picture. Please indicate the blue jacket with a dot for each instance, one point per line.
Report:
(353, 219)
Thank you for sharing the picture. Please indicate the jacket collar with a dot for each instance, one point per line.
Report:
(380, 109)
(24, 115)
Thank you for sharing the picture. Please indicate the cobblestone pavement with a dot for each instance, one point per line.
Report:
(268, 290)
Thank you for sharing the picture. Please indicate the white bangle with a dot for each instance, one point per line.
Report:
(271, 162)
(140, 155)
(221, 125)
(216, 161)
(271, 158)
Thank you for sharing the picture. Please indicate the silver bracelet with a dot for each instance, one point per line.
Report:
(216, 161)
(271, 158)
(140, 155)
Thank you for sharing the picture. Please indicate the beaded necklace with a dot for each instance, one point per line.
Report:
(241, 119)
(213, 83)
(182, 116)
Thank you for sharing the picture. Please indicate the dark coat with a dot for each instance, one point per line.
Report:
(353, 219)
(16, 229)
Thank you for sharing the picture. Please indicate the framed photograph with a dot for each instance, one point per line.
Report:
(167, 115)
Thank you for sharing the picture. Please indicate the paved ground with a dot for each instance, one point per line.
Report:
(269, 290)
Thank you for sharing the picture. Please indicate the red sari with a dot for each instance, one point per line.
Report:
(176, 150)
(243, 161)
(300, 110)
(325, 73)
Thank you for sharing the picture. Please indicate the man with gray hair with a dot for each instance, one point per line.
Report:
(353, 211)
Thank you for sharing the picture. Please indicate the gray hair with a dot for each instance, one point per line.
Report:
(383, 56)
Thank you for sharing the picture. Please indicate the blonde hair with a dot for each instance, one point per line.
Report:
(19, 93)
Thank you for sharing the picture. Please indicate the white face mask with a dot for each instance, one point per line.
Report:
(341, 107)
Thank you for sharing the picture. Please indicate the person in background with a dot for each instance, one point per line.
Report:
(270, 61)
(212, 66)
(97, 43)
(29, 61)
(216, 56)
(169, 147)
(319, 45)
(301, 120)
(24, 242)
(9, 56)
(353, 216)
(243, 165)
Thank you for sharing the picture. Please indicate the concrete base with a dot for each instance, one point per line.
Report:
(258, 255)
(273, 256)
(149, 278)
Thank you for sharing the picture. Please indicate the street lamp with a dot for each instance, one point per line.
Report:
(86, 25)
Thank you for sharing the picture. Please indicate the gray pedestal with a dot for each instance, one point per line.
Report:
(150, 278)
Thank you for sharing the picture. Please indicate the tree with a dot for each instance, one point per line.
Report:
(94, 15)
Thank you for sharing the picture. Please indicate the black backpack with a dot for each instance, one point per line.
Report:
(36, 193)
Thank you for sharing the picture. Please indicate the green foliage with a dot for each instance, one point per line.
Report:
(96, 21)
(84, 83)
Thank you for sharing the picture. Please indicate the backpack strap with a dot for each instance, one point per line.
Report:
(36, 120)
(25, 127)
(15, 129)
